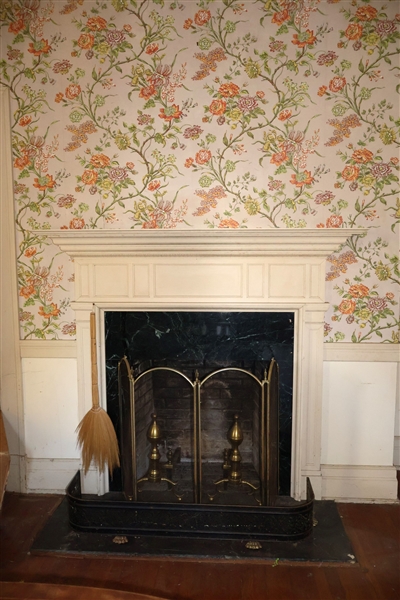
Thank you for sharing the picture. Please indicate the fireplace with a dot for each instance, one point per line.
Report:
(224, 361)
(270, 271)
(204, 437)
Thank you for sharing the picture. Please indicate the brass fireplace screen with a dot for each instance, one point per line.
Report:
(149, 475)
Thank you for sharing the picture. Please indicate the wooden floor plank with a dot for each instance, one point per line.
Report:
(48, 591)
(373, 530)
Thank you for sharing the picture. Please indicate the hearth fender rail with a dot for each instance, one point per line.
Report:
(269, 430)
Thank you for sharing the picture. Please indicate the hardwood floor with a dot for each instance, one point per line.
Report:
(374, 531)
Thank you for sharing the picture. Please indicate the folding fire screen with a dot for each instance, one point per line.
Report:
(174, 450)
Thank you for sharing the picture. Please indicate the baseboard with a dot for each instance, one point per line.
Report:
(354, 483)
(49, 476)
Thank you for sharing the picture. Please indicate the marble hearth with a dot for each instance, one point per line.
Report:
(213, 270)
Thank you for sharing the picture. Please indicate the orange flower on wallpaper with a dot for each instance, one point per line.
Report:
(153, 186)
(39, 47)
(300, 179)
(203, 156)
(89, 177)
(218, 107)
(29, 252)
(100, 160)
(43, 183)
(228, 224)
(189, 162)
(366, 13)
(187, 24)
(77, 223)
(322, 90)
(147, 92)
(86, 41)
(202, 17)
(358, 290)
(337, 83)
(354, 31)
(362, 156)
(21, 162)
(27, 291)
(347, 307)
(73, 91)
(96, 23)
(284, 115)
(49, 311)
(334, 221)
(59, 97)
(229, 90)
(152, 48)
(278, 158)
(16, 26)
(24, 121)
(170, 112)
(280, 17)
(306, 38)
(350, 172)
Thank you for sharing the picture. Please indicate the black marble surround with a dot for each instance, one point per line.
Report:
(210, 340)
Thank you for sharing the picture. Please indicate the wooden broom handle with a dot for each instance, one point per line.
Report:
(95, 385)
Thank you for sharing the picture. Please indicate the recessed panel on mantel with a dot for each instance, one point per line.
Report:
(111, 281)
(198, 280)
(287, 281)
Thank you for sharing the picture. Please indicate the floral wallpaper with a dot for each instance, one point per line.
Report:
(162, 114)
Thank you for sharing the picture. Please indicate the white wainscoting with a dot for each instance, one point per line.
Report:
(351, 482)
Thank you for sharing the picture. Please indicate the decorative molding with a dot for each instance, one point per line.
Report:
(10, 364)
(367, 352)
(359, 483)
(48, 349)
(243, 242)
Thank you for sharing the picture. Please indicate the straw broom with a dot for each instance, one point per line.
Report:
(96, 433)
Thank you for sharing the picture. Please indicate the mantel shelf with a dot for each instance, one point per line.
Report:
(248, 242)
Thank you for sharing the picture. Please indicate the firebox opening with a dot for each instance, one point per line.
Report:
(166, 347)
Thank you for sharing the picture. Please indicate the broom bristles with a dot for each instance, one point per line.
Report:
(98, 440)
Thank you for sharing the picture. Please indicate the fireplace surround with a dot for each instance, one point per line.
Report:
(223, 270)
(203, 342)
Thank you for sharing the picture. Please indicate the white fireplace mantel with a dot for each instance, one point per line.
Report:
(208, 242)
(260, 270)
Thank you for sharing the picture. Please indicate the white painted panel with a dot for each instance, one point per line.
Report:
(317, 281)
(51, 407)
(287, 281)
(359, 402)
(141, 280)
(198, 280)
(111, 280)
(83, 281)
(255, 281)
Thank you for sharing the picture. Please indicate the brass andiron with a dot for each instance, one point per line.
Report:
(232, 460)
(235, 438)
(154, 473)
